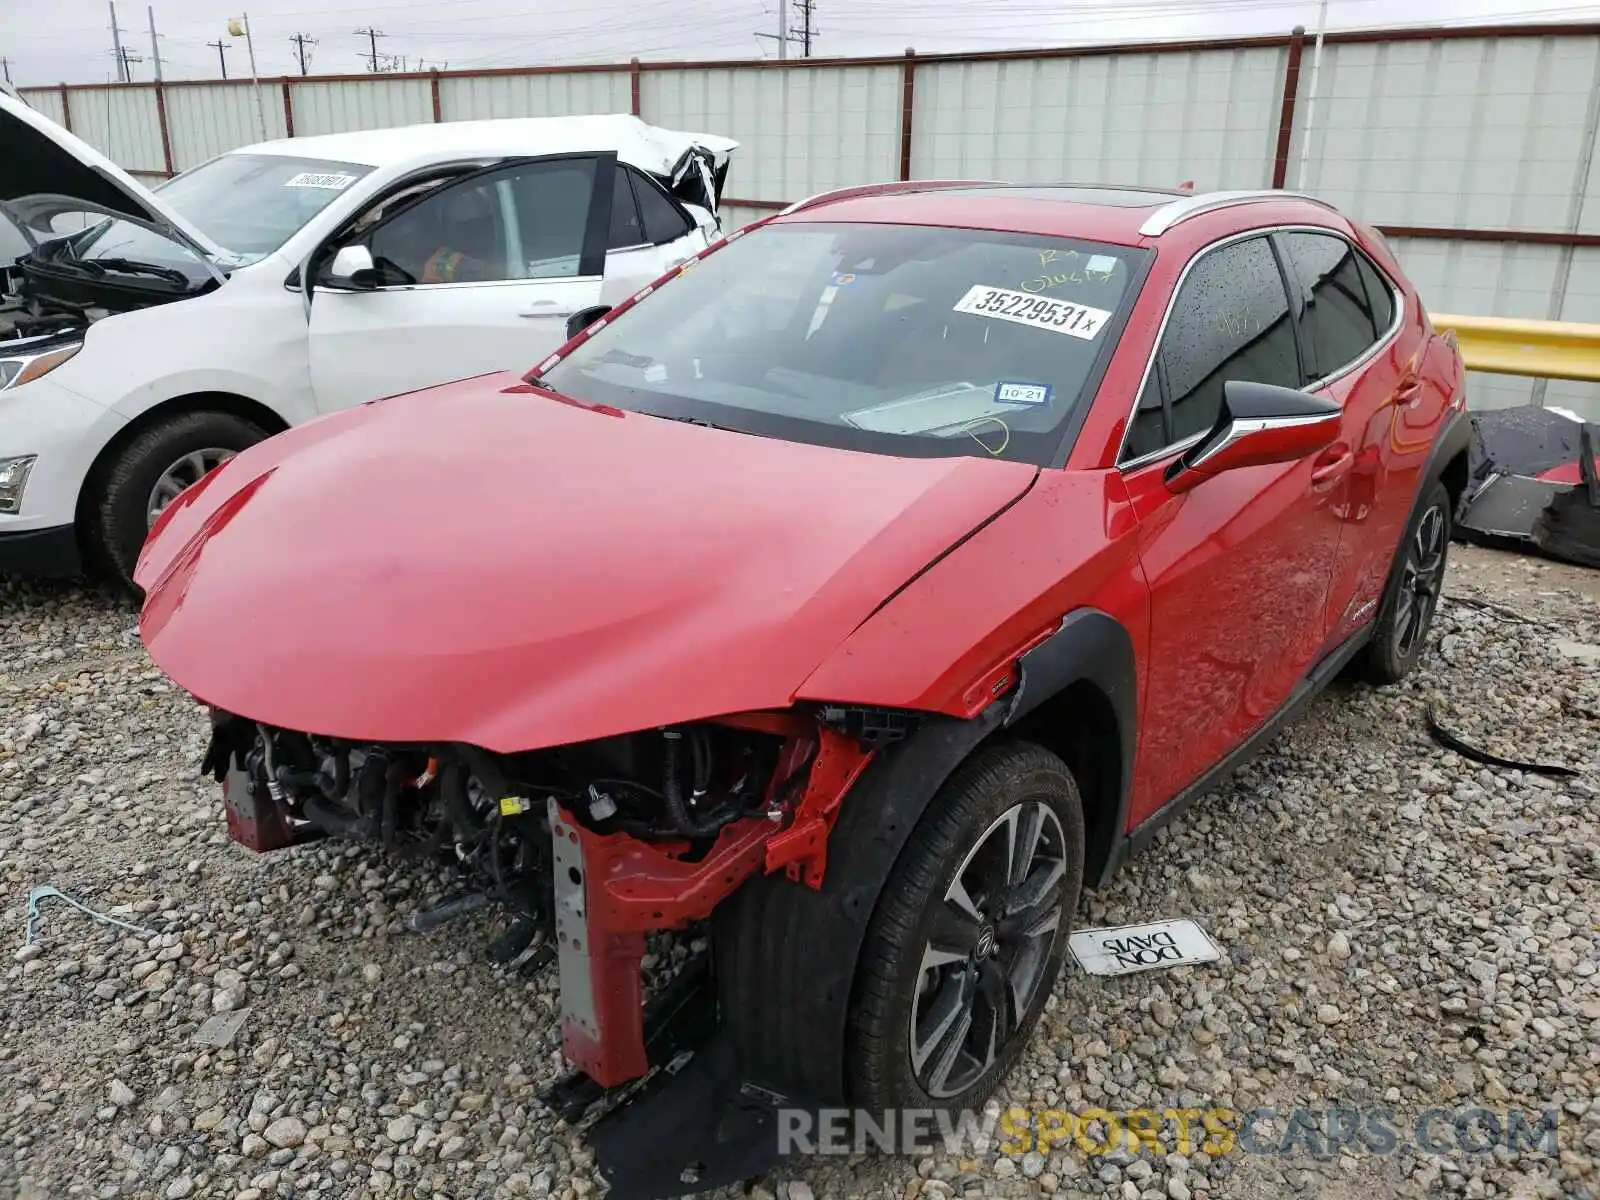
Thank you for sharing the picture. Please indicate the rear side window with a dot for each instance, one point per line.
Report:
(626, 227)
(1339, 321)
(663, 220)
(1230, 321)
(1378, 294)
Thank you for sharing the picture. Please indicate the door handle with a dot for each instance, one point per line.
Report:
(537, 311)
(1332, 465)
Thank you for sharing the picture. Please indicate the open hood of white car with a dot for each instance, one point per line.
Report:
(48, 170)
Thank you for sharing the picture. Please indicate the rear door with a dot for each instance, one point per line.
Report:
(478, 275)
(1237, 567)
(650, 234)
(1357, 355)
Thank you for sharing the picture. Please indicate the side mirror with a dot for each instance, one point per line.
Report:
(585, 317)
(352, 267)
(1260, 423)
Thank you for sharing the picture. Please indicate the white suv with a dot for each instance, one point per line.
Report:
(147, 336)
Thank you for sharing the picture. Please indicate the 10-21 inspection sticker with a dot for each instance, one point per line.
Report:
(1058, 316)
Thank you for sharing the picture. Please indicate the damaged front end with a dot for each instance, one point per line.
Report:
(587, 848)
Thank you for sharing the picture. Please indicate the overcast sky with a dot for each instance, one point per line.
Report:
(49, 41)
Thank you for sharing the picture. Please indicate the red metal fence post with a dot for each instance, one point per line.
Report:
(1291, 93)
(166, 133)
(908, 97)
(433, 87)
(288, 110)
(66, 108)
(633, 83)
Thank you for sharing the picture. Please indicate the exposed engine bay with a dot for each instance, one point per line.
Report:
(489, 814)
(585, 847)
(50, 290)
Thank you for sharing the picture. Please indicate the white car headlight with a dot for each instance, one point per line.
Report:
(13, 478)
(18, 369)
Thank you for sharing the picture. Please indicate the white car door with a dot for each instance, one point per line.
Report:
(479, 274)
(650, 234)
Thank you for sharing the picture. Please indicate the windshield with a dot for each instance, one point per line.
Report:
(901, 339)
(248, 204)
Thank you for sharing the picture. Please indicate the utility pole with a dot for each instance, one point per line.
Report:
(807, 8)
(783, 29)
(240, 27)
(5, 66)
(301, 41)
(125, 60)
(155, 45)
(1311, 96)
(372, 35)
(116, 44)
(221, 47)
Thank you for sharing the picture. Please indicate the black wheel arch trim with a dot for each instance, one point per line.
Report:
(786, 955)
(1089, 646)
(1451, 442)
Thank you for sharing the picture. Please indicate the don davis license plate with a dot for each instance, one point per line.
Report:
(1130, 948)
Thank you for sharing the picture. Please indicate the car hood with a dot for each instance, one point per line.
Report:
(485, 563)
(49, 170)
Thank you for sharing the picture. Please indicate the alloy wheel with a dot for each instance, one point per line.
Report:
(180, 475)
(986, 953)
(1420, 581)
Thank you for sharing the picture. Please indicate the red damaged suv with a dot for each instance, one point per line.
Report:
(864, 588)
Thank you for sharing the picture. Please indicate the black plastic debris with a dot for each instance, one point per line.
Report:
(1533, 484)
(1451, 741)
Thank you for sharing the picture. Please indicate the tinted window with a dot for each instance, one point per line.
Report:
(1338, 318)
(663, 220)
(626, 227)
(1231, 321)
(456, 235)
(1378, 294)
(1149, 432)
(904, 339)
(552, 205)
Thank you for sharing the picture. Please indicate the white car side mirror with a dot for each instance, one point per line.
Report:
(353, 266)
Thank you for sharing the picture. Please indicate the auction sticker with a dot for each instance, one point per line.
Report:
(1058, 316)
(1129, 948)
(313, 179)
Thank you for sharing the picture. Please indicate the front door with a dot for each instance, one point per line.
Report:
(1238, 567)
(478, 275)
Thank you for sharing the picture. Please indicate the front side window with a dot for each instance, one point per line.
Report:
(1230, 321)
(899, 339)
(526, 222)
(1339, 320)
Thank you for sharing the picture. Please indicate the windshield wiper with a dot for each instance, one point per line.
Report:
(127, 266)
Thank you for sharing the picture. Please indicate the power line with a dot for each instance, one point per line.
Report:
(222, 49)
(301, 41)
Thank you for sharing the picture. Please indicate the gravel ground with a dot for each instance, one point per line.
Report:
(1402, 928)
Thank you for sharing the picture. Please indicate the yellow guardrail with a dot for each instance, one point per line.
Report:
(1547, 349)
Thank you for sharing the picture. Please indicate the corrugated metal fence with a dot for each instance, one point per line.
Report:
(1472, 148)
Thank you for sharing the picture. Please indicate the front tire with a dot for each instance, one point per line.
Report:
(1411, 596)
(969, 934)
(148, 474)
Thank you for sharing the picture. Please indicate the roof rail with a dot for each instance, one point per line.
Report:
(1168, 215)
(886, 189)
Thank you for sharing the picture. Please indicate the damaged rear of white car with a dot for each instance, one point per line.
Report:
(147, 336)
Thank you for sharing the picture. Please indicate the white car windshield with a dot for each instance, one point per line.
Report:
(248, 204)
(899, 339)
